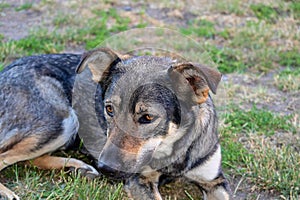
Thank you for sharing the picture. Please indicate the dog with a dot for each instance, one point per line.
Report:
(161, 122)
(36, 114)
(157, 119)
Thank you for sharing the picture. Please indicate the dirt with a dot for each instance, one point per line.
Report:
(16, 25)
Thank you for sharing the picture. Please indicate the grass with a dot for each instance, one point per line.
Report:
(228, 60)
(62, 19)
(201, 28)
(31, 183)
(41, 41)
(290, 58)
(288, 79)
(229, 7)
(259, 121)
(24, 6)
(295, 9)
(3, 6)
(265, 165)
(264, 12)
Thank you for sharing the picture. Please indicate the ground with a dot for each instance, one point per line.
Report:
(255, 44)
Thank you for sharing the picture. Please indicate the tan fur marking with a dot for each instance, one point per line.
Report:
(19, 152)
(204, 95)
(26, 144)
(54, 162)
(131, 144)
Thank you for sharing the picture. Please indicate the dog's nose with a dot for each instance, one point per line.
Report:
(106, 170)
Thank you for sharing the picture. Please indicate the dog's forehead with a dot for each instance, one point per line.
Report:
(141, 63)
(136, 72)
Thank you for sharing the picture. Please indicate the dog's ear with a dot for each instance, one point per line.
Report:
(99, 61)
(199, 77)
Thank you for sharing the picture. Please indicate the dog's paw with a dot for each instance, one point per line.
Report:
(86, 171)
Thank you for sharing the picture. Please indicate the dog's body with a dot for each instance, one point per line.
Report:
(160, 119)
(36, 117)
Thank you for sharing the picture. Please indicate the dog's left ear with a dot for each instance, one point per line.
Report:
(99, 61)
(199, 77)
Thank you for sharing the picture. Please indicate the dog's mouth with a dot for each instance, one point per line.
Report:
(113, 173)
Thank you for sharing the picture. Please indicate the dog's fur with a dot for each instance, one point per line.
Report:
(160, 119)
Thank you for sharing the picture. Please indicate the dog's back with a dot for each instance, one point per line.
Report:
(42, 85)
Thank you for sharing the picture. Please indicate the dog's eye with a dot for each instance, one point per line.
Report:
(146, 119)
(109, 110)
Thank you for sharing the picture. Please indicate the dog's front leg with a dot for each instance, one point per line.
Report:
(53, 162)
(141, 188)
(209, 177)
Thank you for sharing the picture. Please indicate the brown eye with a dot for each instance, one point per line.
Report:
(109, 110)
(146, 119)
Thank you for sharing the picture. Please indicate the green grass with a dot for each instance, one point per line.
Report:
(32, 183)
(270, 168)
(3, 6)
(264, 12)
(98, 30)
(290, 58)
(1, 37)
(254, 39)
(201, 28)
(41, 41)
(288, 79)
(38, 42)
(1, 66)
(257, 120)
(25, 6)
(266, 166)
(295, 9)
(229, 7)
(228, 60)
(64, 19)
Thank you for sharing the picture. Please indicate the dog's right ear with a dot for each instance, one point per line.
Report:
(98, 61)
(200, 78)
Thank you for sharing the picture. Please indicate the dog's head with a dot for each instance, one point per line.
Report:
(146, 99)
